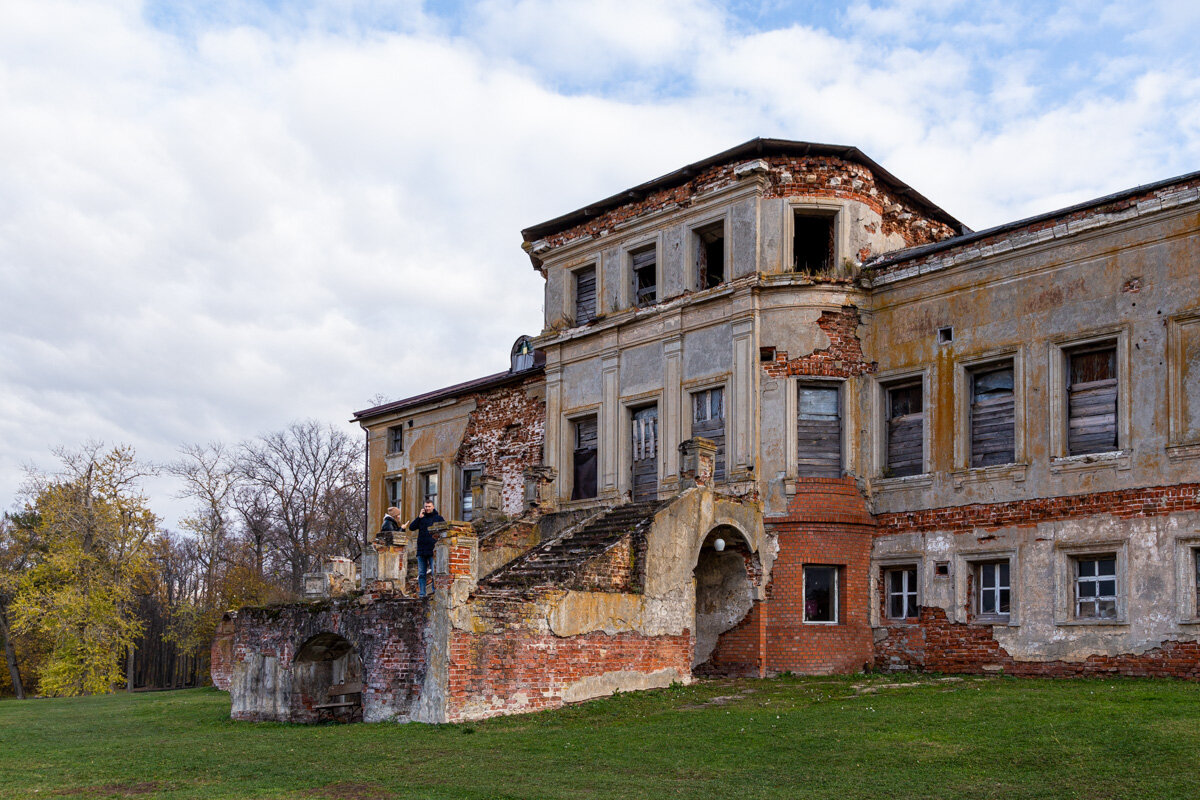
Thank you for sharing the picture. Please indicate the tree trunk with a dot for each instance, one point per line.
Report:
(10, 655)
(129, 668)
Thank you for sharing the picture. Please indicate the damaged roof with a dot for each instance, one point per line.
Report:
(450, 392)
(752, 149)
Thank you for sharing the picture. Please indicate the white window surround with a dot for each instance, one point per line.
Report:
(962, 413)
(824, 206)
(847, 388)
(882, 382)
(691, 248)
(1065, 557)
(1058, 352)
(966, 563)
(837, 591)
(1186, 547)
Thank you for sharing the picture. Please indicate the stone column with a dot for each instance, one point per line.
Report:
(671, 425)
(540, 495)
(699, 457)
(740, 442)
(610, 482)
(455, 558)
(556, 430)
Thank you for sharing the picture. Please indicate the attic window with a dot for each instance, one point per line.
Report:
(710, 255)
(645, 276)
(522, 355)
(812, 243)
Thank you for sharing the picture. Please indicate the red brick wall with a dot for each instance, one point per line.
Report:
(842, 359)
(519, 670)
(938, 645)
(505, 434)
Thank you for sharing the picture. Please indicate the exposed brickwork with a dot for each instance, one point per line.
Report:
(1122, 503)
(939, 645)
(505, 434)
(494, 674)
(741, 651)
(611, 572)
(842, 359)
(810, 176)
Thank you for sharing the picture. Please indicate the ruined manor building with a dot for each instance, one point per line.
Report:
(784, 413)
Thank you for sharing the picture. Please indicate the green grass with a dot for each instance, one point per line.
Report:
(785, 738)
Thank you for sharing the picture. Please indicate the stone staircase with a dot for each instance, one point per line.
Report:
(559, 561)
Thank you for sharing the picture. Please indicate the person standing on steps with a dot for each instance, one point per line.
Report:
(391, 526)
(424, 521)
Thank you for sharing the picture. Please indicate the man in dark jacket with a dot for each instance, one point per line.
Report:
(428, 517)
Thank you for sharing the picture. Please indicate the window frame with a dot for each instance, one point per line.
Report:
(394, 439)
(1096, 579)
(885, 573)
(391, 481)
(978, 589)
(836, 594)
(696, 233)
(464, 489)
(572, 444)
(887, 386)
(631, 284)
(423, 474)
(1066, 572)
(574, 272)
(721, 457)
(1059, 356)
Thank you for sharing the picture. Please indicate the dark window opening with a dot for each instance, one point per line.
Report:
(710, 255)
(818, 431)
(901, 584)
(395, 439)
(812, 243)
(945, 335)
(645, 276)
(820, 594)
(766, 354)
(583, 485)
(585, 295)
(993, 416)
(466, 506)
(905, 432)
(1092, 400)
(708, 420)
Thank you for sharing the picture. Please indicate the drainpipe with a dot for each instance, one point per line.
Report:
(366, 488)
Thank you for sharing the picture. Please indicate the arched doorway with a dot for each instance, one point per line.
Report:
(725, 577)
(327, 680)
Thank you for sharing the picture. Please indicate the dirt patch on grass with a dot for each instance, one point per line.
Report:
(349, 791)
(111, 789)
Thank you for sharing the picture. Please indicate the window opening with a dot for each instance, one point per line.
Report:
(644, 425)
(583, 485)
(645, 276)
(395, 439)
(395, 492)
(901, 592)
(429, 487)
(812, 243)
(1096, 587)
(710, 255)
(820, 594)
(945, 335)
(470, 477)
(818, 431)
(993, 416)
(905, 434)
(585, 295)
(708, 420)
(1092, 401)
(994, 590)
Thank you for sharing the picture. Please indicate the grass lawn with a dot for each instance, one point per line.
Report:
(787, 738)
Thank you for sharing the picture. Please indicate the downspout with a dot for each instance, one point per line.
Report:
(366, 489)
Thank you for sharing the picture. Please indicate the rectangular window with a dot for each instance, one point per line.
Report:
(820, 594)
(395, 439)
(585, 295)
(429, 487)
(708, 420)
(993, 416)
(583, 485)
(395, 492)
(901, 586)
(994, 593)
(812, 243)
(1096, 587)
(645, 276)
(466, 505)
(905, 430)
(710, 255)
(818, 430)
(1092, 400)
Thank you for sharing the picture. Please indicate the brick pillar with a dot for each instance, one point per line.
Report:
(455, 557)
(698, 458)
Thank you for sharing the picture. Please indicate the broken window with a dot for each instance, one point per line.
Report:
(708, 420)
(901, 587)
(820, 594)
(905, 430)
(1096, 587)
(812, 243)
(429, 486)
(1092, 400)
(645, 276)
(710, 255)
(584, 464)
(466, 505)
(395, 492)
(993, 416)
(585, 295)
(818, 431)
(994, 593)
(395, 439)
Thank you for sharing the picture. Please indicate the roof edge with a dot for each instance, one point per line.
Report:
(448, 392)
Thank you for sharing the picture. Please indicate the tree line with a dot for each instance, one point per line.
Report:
(96, 595)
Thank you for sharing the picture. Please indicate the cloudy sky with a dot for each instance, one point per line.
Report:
(220, 216)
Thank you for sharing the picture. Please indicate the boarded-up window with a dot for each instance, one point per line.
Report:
(466, 506)
(1092, 400)
(644, 426)
(818, 431)
(812, 243)
(905, 430)
(710, 255)
(993, 416)
(645, 276)
(708, 420)
(585, 295)
(583, 485)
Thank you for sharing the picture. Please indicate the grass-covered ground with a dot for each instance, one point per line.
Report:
(788, 737)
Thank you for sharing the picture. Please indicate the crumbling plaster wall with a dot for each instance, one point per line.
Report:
(504, 435)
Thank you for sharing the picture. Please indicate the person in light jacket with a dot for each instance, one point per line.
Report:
(427, 518)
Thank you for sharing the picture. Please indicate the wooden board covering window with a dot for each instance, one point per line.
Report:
(585, 295)
(645, 277)
(645, 453)
(906, 431)
(583, 485)
(993, 416)
(818, 431)
(708, 420)
(1092, 401)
